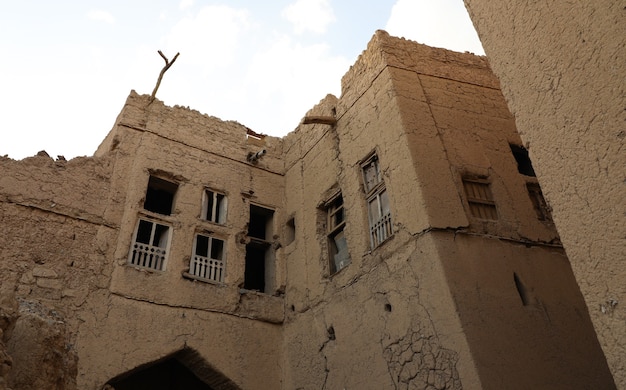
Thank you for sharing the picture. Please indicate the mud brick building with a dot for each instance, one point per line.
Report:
(398, 238)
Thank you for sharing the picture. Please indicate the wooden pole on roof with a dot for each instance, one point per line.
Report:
(168, 64)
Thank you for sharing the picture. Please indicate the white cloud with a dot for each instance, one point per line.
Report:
(289, 79)
(185, 4)
(309, 15)
(441, 23)
(210, 38)
(102, 16)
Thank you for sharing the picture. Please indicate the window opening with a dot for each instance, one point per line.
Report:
(480, 198)
(214, 207)
(160, 195)
(338, 255)
(259, 267)
(539, 202)
(371, 173)
(379, 210)
(207, 261)
(149, 248)
(524, 165)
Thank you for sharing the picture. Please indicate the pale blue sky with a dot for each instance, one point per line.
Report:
(68, 66)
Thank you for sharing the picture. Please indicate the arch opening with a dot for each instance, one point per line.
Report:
(185, 369)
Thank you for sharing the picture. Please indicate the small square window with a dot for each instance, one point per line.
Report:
(214, 207)
(480, 199)
(207, 261)
(339, 257)
(160, 195)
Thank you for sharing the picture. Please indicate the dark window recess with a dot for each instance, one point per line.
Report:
(259, 268)
(202, 247)
(254, 273)
(539, 202)
(260, 222)
(524, 165)
(160, 196)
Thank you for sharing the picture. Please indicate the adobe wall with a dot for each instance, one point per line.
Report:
(365, 326)
(54, 244)
(69, 225)
(562, 67)
(418, 311)
(220, 321)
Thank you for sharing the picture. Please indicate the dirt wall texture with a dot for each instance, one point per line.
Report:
(390, 241)
(562, 67)
(449, 300)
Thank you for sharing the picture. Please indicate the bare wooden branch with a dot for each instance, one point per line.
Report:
(168, 64)
(324, 120)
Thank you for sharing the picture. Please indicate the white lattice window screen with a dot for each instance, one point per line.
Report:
(207, 261)
(379, 217)
(214, 207)
(150, 245)
(377, 202)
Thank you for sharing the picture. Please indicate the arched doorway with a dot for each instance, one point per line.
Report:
(183, 370)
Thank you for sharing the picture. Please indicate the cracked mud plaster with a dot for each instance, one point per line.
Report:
(416, 361)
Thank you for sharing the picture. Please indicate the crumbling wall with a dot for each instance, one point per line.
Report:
(54, 244)
(8, 316)
(561, 65)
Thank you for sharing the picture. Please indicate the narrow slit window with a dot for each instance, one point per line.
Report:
(207, 261)
(214, 207)
(338, 255)
(259, 262)
(160, 195)
(480, 198)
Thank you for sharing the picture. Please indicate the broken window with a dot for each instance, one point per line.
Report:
(207, 261)
(539, 202)
(524, 165)
(150, 245)
(214, 207)
(378, 207)
(337, 245)
(160, 195)
(259, 268)
(480, 199)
